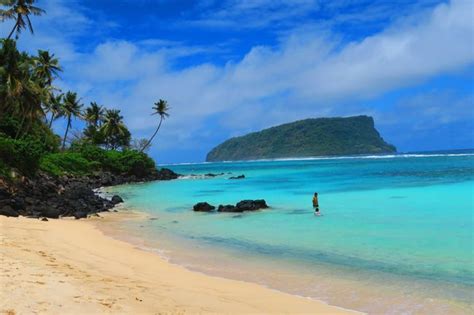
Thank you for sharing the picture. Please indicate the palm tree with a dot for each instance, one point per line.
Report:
(20, 11)
(114, 130)
(94, 114)
(21, 95)
(160, 108)
(55, 107)
(12, 76)
(71, 108)
(46, 67)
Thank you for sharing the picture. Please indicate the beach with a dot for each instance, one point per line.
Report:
(69, 267)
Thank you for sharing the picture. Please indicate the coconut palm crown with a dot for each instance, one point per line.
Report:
(71, 108)
(160, 108)
(20, 11)
(94, 114)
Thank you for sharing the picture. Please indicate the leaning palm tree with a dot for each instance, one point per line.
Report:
(160, 108)
(55, 107)
(94, 114)
(114, 130)
(46, 67)
(20, 11)
(71, 108)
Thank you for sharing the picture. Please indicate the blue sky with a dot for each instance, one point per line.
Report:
(230, 67)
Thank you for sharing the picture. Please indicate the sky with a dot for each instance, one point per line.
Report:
(231, 67)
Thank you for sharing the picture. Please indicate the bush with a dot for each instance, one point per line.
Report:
(23, 154)
(38, 131)
(129, 162)
(136, 163)
(67, 163)
(4, 170)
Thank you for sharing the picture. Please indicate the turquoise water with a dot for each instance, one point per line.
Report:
(407, 220)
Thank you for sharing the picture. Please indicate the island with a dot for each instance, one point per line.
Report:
(306, 138)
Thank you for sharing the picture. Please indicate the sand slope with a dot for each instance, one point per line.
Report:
(68, 266)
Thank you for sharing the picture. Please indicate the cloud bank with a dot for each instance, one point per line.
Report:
(310, 72)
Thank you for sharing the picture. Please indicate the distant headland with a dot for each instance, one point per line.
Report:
(306, 138)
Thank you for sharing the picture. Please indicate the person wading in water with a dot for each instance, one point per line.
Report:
(316, 204)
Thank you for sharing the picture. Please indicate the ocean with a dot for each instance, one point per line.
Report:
(395, 235)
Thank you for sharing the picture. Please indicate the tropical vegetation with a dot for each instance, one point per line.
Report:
(32, 107)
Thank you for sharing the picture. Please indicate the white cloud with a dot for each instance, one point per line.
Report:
(308, 73)
(253, 13)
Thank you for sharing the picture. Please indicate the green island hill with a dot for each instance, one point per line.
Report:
(306, 138)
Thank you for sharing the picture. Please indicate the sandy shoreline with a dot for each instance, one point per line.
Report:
(69, 266)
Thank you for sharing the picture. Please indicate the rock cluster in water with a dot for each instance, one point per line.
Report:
(53, 197)
(237, 177)
(244, 205)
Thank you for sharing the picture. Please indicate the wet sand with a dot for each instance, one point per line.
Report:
(70, 267)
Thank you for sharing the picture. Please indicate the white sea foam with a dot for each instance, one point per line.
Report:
(316, 158)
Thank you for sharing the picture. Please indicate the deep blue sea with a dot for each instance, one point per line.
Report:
(395, 235)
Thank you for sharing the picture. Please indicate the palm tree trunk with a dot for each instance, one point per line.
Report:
(67, 129)
(151, 139)
(13, 30)
(51, 121)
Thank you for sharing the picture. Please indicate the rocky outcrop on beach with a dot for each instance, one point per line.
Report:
(54, 197)
(244, 205)
(108, 179)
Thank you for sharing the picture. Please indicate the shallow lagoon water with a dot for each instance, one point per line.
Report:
(396, 234)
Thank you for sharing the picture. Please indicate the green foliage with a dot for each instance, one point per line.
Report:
(310, 137)
(129, 162)
(4, 170)
(9, 127)
(136, 163)
(23, 154)
(29, 103)
(67, 163)
(116, 134)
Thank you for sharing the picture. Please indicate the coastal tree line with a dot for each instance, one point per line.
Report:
(31, 103)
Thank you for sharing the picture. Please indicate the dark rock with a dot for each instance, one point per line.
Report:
(213, 175)
(8, 211)
(228, 208)
(166, 174)
(4, 194)
(238, 177)
(18, 203)
(67, 195)
(251, 205)
(44, 219)
(116, 199)
(203, 206)
(30, 201)
(80, 214)
(51, 212)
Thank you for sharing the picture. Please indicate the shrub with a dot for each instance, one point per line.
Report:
(67, 163)
(136, 163)
(23, 154)
(119, 162)
(38, 131)
(4, 170)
